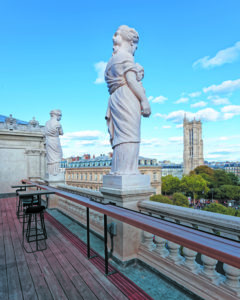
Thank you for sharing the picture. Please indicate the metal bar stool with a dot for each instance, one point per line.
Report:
(33, 220)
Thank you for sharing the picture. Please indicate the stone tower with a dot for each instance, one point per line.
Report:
(193, 145)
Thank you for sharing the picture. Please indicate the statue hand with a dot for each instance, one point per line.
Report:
(146, 109)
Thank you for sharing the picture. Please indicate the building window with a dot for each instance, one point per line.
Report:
(95, 177)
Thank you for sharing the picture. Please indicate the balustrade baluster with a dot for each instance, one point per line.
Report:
(232, 277)
(190, 260)
(160, 246)
(174, 254)
(209, 267)
(148, 240)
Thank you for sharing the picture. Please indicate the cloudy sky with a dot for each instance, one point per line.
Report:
(53, 55)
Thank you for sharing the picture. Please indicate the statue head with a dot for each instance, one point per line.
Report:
(56, 113)
(125, 37)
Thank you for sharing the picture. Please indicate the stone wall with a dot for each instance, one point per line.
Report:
(22, 152)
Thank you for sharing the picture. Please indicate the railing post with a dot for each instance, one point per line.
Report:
(88, 234)
(105, 245)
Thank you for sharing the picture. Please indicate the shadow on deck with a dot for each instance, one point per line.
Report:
(62, 271)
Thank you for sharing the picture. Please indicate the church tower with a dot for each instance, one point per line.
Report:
(193, 145)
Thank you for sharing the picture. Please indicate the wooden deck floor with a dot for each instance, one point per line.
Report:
(60, 272)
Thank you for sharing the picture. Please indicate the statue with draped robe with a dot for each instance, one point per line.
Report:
(53, 129)
(127, 102)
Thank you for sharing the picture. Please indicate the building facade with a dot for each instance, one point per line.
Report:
(193, 145)
(229, 167)
(22, 151)
(175, 170)
(88, 173)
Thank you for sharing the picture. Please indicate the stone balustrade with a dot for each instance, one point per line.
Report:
(196, 272)
(223, 225)
(94, 195)
(181, 265)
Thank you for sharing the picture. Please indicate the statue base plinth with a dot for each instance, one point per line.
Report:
(54, 180)
(126, 182)
(126, 191)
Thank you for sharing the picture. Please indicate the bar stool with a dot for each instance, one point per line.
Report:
(23, 203)
(33, 220)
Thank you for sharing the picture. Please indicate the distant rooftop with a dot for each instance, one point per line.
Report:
(3, 119)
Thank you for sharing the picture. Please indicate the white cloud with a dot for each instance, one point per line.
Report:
(224, 56)
(80, 135)
(179, 126)
(199, 104)
(194, 94)
(227, 86)
(158, 115)
(100, 69)
(159, 99)
(175, 139)
(88, 141)
(182, 100)
(218, 100)
(230, 111)
(207, 114)
(166, 126)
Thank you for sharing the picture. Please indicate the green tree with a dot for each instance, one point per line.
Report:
(194, 185)
(227, 192)
(220, 177)
(233, 178)
(221, 209)
(206, 172)
(180, 200)
(161, 198)
(170, 184)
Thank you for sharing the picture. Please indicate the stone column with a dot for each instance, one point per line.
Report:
(126, 191)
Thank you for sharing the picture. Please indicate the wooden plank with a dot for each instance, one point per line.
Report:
(40, 282)
(27, 284)
(55, 287)
(77, 280)
(214, 246)
(14, 286)
(67, 285)
(3, 267)
(90, 274)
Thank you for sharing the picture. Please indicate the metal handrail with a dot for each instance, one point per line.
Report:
(220, 248)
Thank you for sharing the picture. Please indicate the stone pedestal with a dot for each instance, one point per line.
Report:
(54, 180)
(126, 191)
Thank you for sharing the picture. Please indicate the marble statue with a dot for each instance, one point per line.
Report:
(53, 129)
(127, 102)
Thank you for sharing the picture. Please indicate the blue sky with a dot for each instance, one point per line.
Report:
(52, 55)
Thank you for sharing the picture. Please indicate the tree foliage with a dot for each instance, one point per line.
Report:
(180, 200)
(161, 198)
(170, 184)
(194, 185)
(221, 209)
(227, 192)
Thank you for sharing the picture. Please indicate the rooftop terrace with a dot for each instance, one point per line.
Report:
(60, 272)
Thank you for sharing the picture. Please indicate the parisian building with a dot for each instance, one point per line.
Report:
(193, 145)
(88, 173)
(229, 167)
(22, 151)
